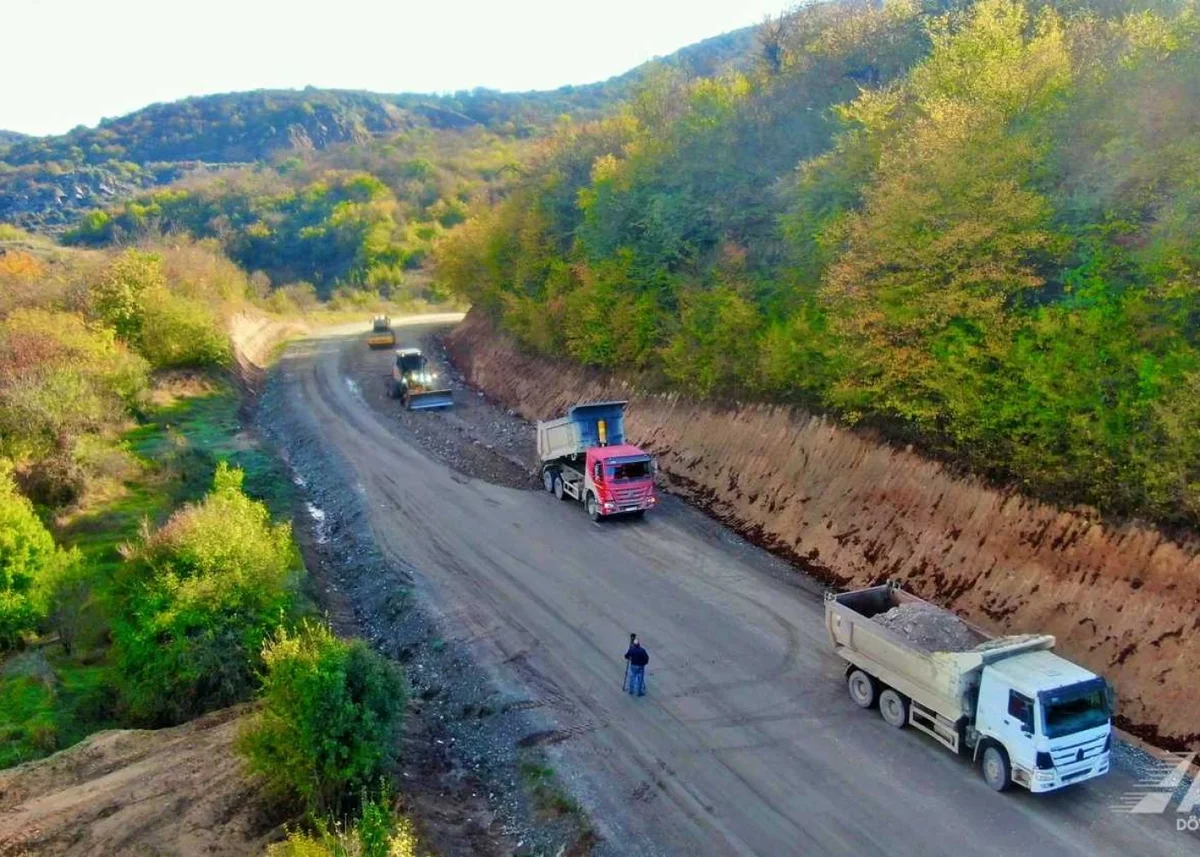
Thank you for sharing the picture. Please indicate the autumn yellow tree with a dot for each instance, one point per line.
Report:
(953, 228)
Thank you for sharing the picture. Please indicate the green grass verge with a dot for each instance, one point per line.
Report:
(55, 700)
(62, 704)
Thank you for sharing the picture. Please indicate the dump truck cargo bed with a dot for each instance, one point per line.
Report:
(584, 426)
(940, 680)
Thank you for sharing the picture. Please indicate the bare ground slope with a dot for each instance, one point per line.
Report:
(170, 791)
(747, 743)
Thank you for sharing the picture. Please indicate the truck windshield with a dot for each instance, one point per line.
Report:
(410, 363)
(1073, 709)
(621, 470)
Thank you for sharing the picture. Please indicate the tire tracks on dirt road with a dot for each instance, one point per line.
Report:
(746, 743)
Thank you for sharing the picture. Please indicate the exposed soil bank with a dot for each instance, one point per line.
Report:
(254, 337)
(1122, 600)
(130, 791)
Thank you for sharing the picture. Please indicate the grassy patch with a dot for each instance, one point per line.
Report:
(51, 710)
(26, 719)
(548, 794)
(552, 803)
(176, 449)
(188, 437)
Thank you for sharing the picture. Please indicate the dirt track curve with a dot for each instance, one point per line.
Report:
(747, 742)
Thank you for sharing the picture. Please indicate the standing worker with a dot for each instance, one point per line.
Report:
(638, 658)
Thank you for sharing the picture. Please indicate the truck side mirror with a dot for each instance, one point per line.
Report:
(1110, 697)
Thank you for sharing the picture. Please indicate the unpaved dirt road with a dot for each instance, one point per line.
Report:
(747, 742)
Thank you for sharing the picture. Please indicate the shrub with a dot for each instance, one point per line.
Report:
(118, 297)
(378, 832)
(181, 332)
(28, 560)
(330, 710)
(294, 297)
(72, 612)
(56, 481)
(171, 329)
(303, 295)
(348, 299)
(60, 377)
(198, 270)
(198, 597)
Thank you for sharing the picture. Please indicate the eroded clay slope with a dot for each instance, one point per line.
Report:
(129, 791)
(1123, 600)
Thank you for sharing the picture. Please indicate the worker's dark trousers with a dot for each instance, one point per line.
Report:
(637, 680)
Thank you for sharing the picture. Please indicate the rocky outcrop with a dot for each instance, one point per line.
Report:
(1122, 598)
(48, 199)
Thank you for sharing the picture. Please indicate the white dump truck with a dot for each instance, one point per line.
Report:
(1028, 715)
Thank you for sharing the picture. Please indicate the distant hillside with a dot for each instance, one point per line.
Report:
(523, 112)
(47, 182)
(218, 128)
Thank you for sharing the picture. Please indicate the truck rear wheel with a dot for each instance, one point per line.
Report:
(862, 688)
(894, 708)
(558, 487)
(996, 771)
(548, 477)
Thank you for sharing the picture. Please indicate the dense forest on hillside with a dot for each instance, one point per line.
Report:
(970, 227)
(964, 224)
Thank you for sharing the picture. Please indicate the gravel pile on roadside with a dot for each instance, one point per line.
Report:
(930, 628)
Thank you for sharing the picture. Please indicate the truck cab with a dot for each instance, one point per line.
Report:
(620, 480)
(1050, 716)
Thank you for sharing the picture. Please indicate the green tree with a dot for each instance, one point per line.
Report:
(716, 348)
(30, 562)
(196, 599)
(952, 229)
(118, 297)
(330, 711)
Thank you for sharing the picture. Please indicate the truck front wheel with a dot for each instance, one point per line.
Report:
(996, 771)
(862, 688)
(593, 508)
(894, 708)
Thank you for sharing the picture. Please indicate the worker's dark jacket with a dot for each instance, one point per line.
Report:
(637, 656)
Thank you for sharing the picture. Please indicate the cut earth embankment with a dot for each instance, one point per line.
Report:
(1122, 599)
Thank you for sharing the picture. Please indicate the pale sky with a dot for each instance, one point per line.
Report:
(72, 62)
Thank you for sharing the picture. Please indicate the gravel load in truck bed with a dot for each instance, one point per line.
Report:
(930, 628)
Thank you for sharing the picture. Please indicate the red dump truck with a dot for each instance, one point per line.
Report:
(585, 457)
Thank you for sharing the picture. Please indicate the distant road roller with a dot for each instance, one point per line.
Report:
(382, 335)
